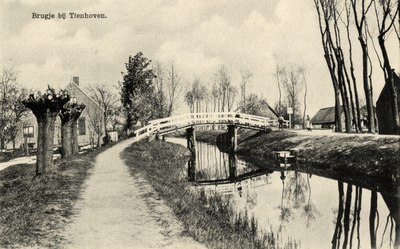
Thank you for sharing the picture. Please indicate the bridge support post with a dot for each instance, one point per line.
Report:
(191, 140)
(232, 131)
(191, 145)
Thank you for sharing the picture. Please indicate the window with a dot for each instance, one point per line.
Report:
(28, 131)
(74, 100)
(81, 126)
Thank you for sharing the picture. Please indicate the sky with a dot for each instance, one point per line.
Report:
(198, 36)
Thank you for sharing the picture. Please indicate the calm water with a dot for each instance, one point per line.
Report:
(315, 212)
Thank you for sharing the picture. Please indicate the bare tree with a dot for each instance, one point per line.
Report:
(224, 82)
(96, 124)
(355, 105)
(328, 18)
(104, 96)
(12, 111)
(246, 76)
(174, 90)
(277, 72)
(293, 86)
(168, 89)
(302, 71)
(360, 11)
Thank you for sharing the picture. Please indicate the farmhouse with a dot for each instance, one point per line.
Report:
(325, 118)
(90, 124)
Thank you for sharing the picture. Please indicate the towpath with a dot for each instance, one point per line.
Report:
(121, 211)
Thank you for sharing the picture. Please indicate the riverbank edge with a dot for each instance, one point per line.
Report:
(367, 160)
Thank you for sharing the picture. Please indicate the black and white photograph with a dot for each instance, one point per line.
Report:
(220, 124)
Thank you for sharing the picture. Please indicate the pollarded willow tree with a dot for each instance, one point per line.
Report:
(46, 108)
(69, 115)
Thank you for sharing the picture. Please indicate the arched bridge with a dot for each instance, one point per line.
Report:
(172, 124)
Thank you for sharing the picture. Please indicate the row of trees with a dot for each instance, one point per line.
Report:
(222, 95)
(373, 22)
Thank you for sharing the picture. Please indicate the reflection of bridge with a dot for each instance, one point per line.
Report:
(171, 124)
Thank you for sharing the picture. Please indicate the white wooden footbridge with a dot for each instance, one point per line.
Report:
(171, 124)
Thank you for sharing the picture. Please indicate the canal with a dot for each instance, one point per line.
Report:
(299, 208)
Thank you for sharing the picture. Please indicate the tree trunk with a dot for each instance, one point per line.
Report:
(343, 92)
(48, 141)
(66, 137)
(39, 152)
(74, 133)
(367, 88)
(338, 114)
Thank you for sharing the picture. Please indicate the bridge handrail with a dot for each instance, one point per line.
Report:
(205, 118)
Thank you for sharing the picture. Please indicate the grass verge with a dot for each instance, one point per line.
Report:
(35, 210)
(208, 218)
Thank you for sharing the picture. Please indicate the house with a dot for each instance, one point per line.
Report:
(92, 117)
(325, 118)
(386, 121)
(91, 120)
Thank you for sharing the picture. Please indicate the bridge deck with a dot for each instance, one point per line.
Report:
(171, 124)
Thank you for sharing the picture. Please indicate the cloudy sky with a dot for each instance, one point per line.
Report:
(198, 36)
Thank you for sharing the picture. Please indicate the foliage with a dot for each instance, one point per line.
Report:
(137, 90)
(254, 105)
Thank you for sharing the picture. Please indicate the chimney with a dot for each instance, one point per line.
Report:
(75, 80)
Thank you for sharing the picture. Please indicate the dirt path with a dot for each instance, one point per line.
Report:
(121, 211)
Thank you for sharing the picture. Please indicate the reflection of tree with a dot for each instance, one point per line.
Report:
(295, 190)
(372, 216)
(310, 211)
(356, 215)
(338, 228)
(347, 214)
(286, 212)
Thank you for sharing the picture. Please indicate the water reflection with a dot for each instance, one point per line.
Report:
(313, 211)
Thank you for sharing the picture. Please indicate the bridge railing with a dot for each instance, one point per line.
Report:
(189, 119)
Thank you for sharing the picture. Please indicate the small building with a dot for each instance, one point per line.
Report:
(384, 107)
(91, 119)
(325, 118)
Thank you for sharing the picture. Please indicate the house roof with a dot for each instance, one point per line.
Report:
(325, 115)
(75, 85)
(386, 89)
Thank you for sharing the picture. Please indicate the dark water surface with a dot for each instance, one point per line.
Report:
(313, 211)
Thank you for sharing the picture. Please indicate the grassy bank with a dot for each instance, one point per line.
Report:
(208, 218)
(34, 210)
(373, 156)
